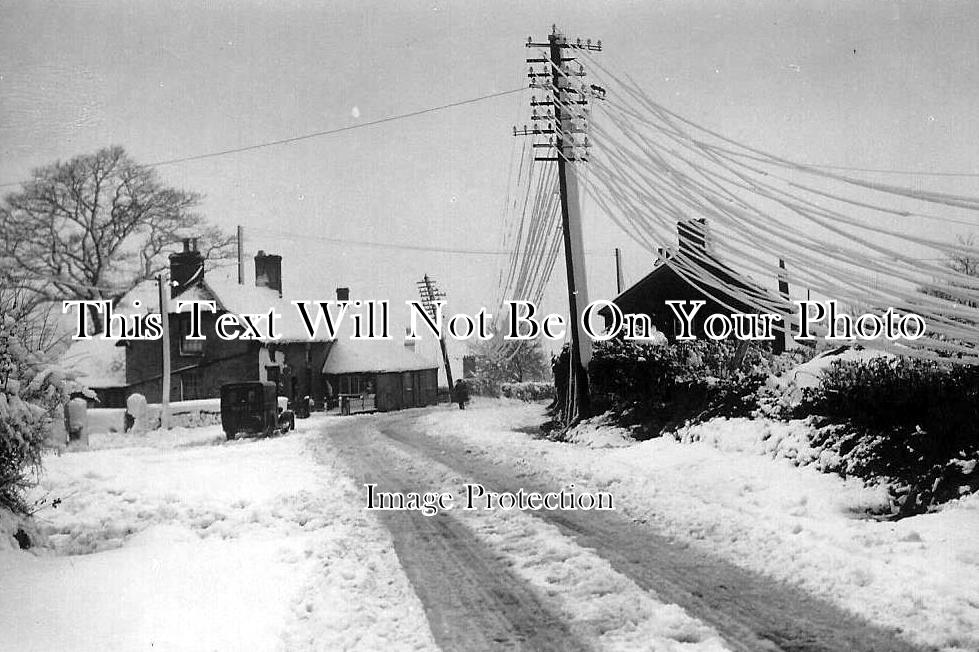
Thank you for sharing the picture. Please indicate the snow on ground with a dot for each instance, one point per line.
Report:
(175, 545)
(919, 575)
(603, 607)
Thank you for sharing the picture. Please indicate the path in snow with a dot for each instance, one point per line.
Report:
(751, 612)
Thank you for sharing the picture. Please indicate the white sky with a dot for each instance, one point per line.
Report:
(864, 83)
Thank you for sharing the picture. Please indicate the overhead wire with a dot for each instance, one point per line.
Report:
(640, 187)
(317, 134)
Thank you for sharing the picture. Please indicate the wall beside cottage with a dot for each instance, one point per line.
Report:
(398, 390)
(110, 397)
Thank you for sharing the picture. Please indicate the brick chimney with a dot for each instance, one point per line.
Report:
(693, 236)
(343, 294)
(268, 271)
(186, 267)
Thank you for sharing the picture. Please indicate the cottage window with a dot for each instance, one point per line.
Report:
(354, 384)
(273, 374)
(188, 347)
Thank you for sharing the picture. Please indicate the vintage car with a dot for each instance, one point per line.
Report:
(252, 408)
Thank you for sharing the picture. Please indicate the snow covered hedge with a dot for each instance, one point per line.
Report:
(31, 395)
(658, 387)
(913, 423)
(529, 391)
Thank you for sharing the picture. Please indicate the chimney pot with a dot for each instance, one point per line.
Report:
(186, 268)
(343, 294)
(268, 271)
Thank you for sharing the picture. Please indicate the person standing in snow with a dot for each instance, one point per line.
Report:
(460, 394)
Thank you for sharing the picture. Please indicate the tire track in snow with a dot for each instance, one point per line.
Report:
(752, 612)
(473, 602)
(597, 605)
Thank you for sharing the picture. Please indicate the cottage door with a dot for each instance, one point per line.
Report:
(407, 389)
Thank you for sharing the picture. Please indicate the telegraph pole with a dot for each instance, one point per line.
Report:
(618, 271)
(240, 237)
(165, 324)
(430, 293)
(564, 120)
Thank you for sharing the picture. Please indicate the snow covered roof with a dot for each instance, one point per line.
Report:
(147, 293)
(373, 356)
(230, 297)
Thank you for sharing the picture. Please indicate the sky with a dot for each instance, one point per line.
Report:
(879, 84)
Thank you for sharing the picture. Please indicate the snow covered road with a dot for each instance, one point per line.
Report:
(638, 575)
(505, 580)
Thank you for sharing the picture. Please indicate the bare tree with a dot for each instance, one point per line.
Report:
(93, 227)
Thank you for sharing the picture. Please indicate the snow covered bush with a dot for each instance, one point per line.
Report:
(780, 395)
(912, 423)
(31, 395)
(529, 391)
(659, 387)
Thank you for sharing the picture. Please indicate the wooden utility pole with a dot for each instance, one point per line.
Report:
(782, 339)
(430, 293)
(564, 122)
(241, 254)
(164, 287)
(618, 271)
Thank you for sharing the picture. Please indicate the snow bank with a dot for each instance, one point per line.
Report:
(599, 432)
(919, 575)
(184, 414)
(252, 545)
